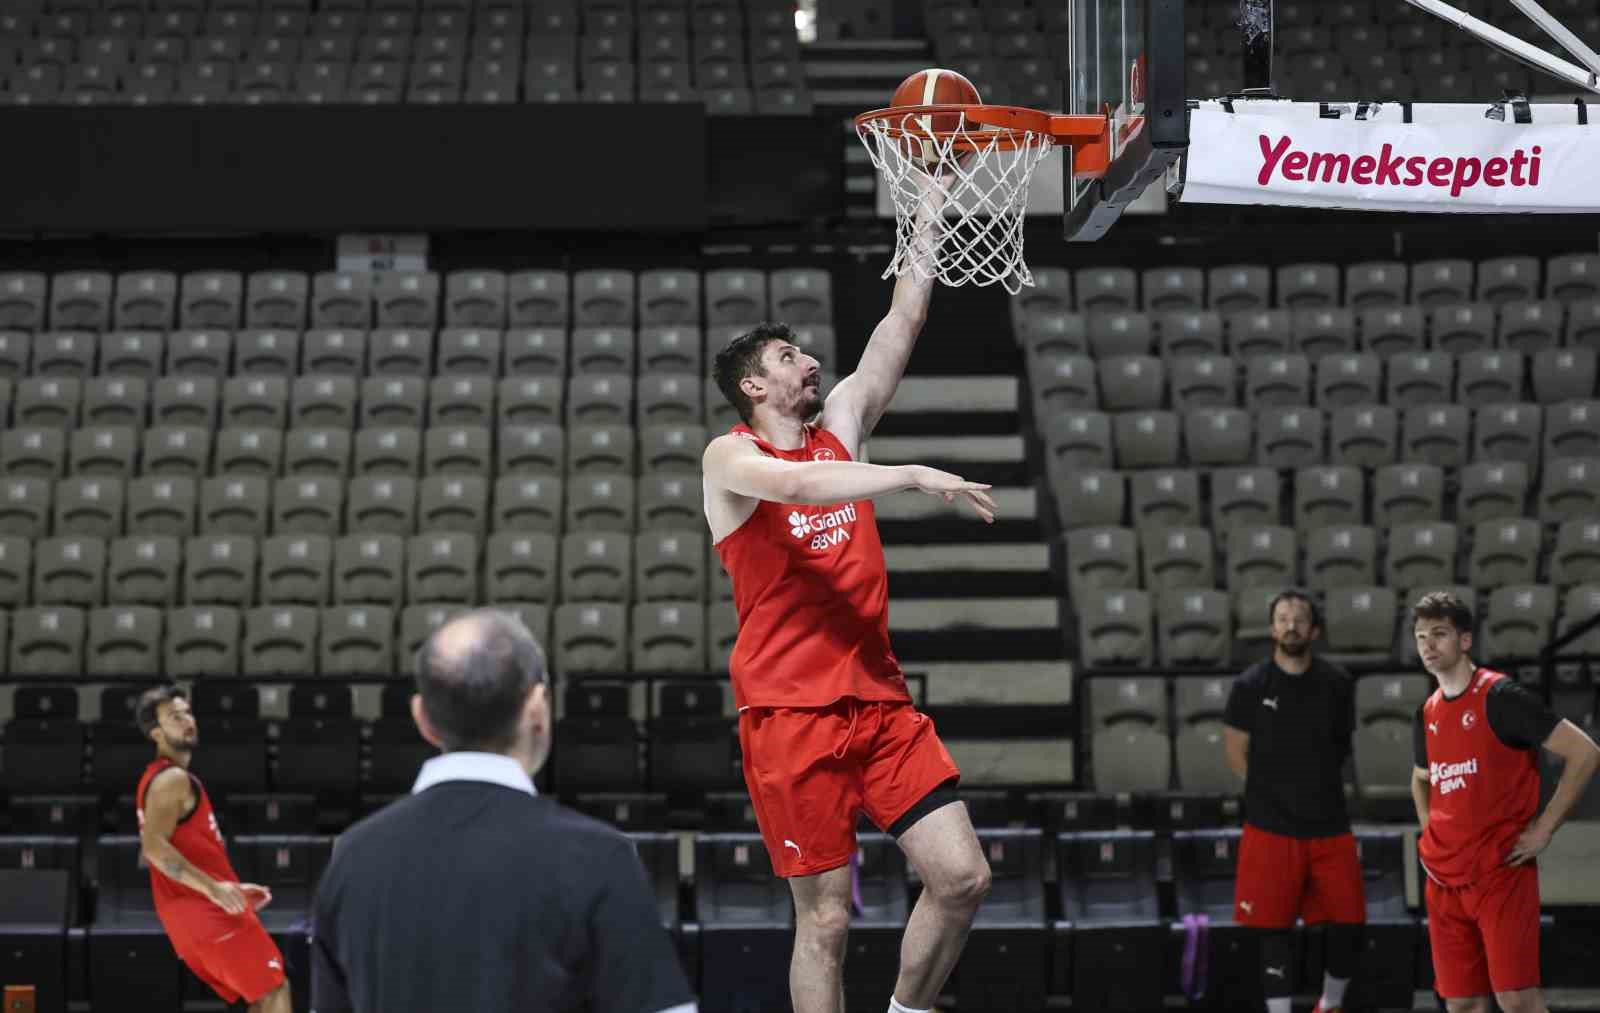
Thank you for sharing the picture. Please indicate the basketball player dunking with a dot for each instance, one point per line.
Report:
(825, 721)
(1476, 788)
(209, 915)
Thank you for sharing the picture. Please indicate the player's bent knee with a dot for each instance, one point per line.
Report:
(1524, 1000)
(968, 886)
(827, 921)
(1475, 1004)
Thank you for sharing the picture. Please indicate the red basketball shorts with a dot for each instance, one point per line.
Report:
(1279, 879)
(1485, 937)
(231, 953)
(812, 770)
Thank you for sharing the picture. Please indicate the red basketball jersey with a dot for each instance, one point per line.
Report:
(197, 838)
(812, 593)
(1483, 792)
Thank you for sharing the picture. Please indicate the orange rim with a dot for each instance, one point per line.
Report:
(1008, 128)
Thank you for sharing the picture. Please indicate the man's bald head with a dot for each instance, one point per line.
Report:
(474, 675)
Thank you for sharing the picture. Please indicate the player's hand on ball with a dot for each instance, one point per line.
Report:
(258, 896)
(941, 483)
(1533, 840)
(229, 898)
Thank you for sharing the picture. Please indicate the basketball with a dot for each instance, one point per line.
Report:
(934, 87)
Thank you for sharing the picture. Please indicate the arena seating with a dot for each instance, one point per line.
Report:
(734, 56)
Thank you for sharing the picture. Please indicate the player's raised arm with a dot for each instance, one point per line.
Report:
(164, 802)
(733, 464)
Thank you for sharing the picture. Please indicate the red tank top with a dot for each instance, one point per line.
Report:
(1483, 792)
(812, 592)
(197, 838)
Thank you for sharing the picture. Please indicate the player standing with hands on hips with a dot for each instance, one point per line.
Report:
(1287, 732)
(825, 722)
(1476, 788)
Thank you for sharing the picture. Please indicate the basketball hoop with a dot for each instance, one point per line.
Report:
(960, 194)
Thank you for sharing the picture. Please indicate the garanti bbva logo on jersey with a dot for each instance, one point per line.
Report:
(824, 530)
(1450, 776)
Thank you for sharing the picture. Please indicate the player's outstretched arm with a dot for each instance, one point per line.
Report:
(734, 464)
(164, 802)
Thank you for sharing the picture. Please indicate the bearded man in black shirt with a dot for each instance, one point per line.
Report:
(1287, 732)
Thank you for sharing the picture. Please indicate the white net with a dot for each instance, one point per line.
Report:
(959, 197)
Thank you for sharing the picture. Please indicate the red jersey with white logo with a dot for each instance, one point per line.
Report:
(812, 593)
(197, 838)
(1483, 791)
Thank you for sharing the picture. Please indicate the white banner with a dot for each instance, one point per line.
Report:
(1465, 165)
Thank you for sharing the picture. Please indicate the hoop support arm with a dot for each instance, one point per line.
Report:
(1088, 136)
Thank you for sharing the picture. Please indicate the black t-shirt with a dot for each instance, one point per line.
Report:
(1299, 728)
(1518, 719)
(473, 896)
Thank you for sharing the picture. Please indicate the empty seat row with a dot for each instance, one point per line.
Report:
(1405, 557)
(122, 452)
(1226, 499)
(1228, 287)
(1141, 382)
(373, 641)
(350, 403)
(156, 300)
(1194, 626)
(1455, 329)
(365, 567)
(105, 507)
(1356, 436)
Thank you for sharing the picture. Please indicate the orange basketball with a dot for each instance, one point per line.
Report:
(934, 87)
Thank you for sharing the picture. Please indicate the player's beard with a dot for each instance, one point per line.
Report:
(1295, 648)
(810, 402)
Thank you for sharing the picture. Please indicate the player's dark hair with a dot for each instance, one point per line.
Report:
(1295, 594)
(740, 358)
(150, 701)
(1443, 605)
(474, 696)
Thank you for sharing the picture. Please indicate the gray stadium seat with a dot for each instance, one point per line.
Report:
(280, 640)
(236, 504)
(535, 449)
(64, 354)
(1303, 286)
(1203, 381)
(316, 452)
(296, 569)
(161, 505)
(1572, 277)
(1391, 330)
(1436, 433)
(521, 566)
(277, 299)
(1575, 558)
(1490, 377)
(1365, 436)
(532, 502)
(535, 350)
(672, 448)
(1090, 498)
(1420, 378)
(1504, 551)
(602, 449)
(1075, 440)
(669, 296)
(1115, 628)
(22, 300)
(90, 506)
(1119, 334)
(1218, 437)
(116, 401)
(394, 451)
(1197, 332)
(369, 567)
(69, 570)
(1361, 622)
(670, 502)
(601, 503)
(1232, 288)
(262, 401)
(1406, 493)
(1277, 380)
(801, 295)
(400, 351)
(1050, 296)
(1434, 282)
(16, 564)
(1568, 490)
(1375, 284)
(407, 298)
(325, 401)
(1459, 328)
(669, 398)
(1259, 332)
(1243, 497)
(1564, 374)
(670, 348)
(1421, 555)
(16, 352)
(1579, 605)
(461, 401)
(333, 351)
(1196, 626)
(145, 300)
(220, 570)
(1131, 759)
(340, 299)
(312, 504)
(1507, 279)
(47, 642)
(1106, 557)
(603, 297)
(202, 640)
(669, 565)
(668, 636)
(33, 453)
(1147, 439)
(442, 566)
(199, 353)
(124, 640)
(185, 401)
(357, 640)
(600, 398)
(1170, 289)
(1264, 556)
(1063, 383)
(267, 351)
(1518, 622)
(457, 450)
(1137, 700)
(211, 299)
(1289, 438)
(1508, 432)
(475, 298)
(104, 451)
(81, 300)
(394, 401)
(1341, 554)
(538, 299)
(1165, 498)
(1572, 429)
(47, 402)
(1490, 490)
(453, 502)
(596, 566)
(1323, 331)
(603, 349)
(25, 506)
(1106, 289)
(531, 400)
(1529, 327)
(1349, 379)
(590, 637)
